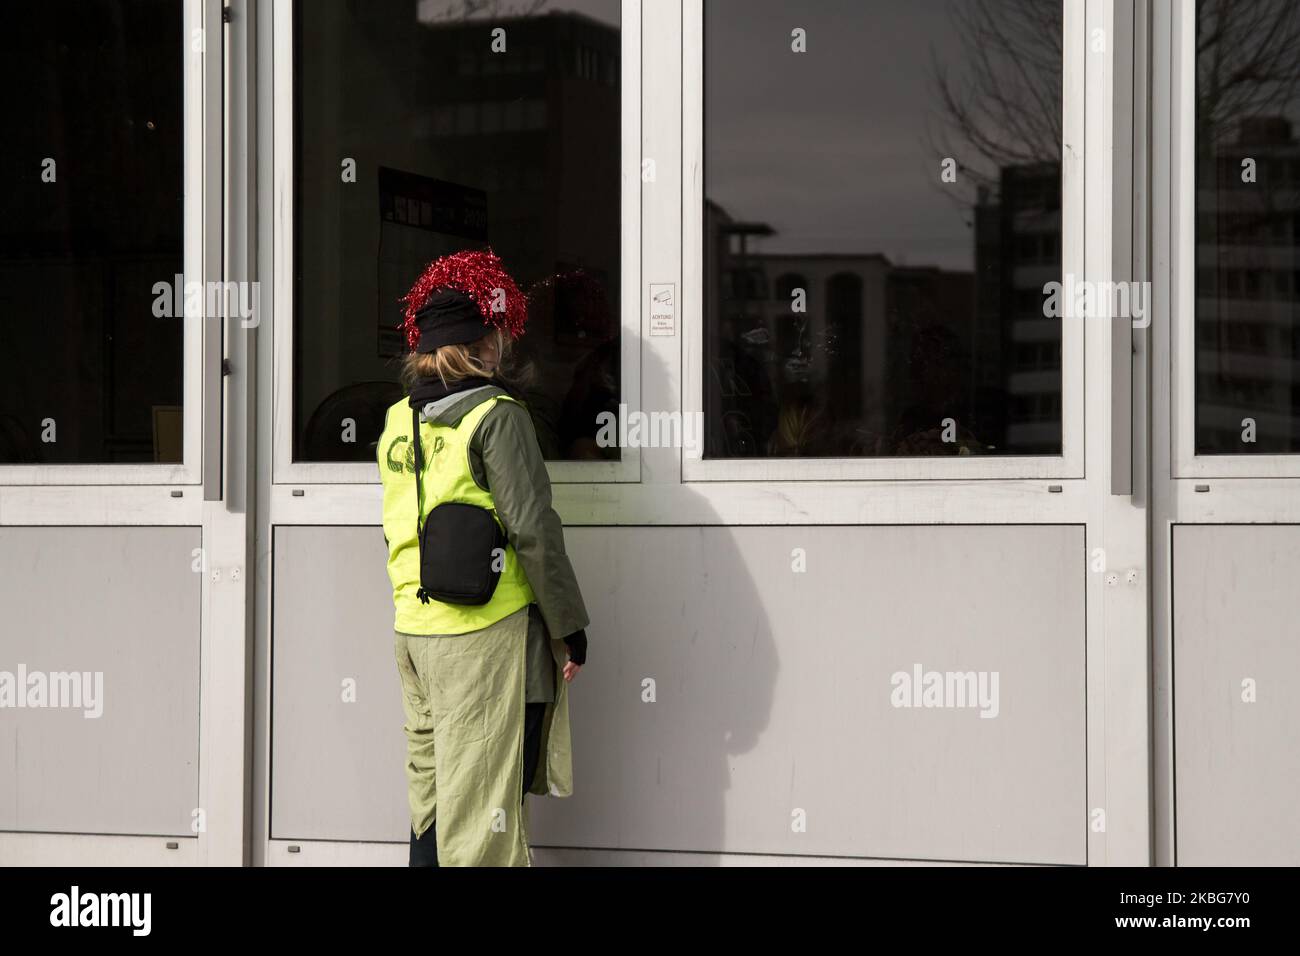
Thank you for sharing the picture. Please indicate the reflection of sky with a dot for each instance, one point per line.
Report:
(830, 147)
(606, 11)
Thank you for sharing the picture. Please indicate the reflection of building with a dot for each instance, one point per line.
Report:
(882, 350)
(1017, 350)
(764, 352)
(534, 131)
(1247, 277)
(892, 351)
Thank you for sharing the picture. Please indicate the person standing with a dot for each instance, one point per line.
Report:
(484, 665)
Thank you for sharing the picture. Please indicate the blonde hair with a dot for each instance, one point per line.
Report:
(453, 363)
(797, 428)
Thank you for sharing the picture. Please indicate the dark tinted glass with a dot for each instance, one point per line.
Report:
(859, 302)
(91, 173)
(456, 145)
(1247, 227)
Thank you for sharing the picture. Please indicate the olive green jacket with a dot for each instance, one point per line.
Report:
(506, 460)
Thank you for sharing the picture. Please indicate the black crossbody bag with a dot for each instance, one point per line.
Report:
(459, 544)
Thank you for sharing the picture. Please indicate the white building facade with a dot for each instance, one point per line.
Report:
(949, 579)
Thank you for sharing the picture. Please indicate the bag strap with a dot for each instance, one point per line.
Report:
(419, 497)
(419, 467)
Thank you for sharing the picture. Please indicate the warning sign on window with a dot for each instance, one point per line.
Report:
(663, 308)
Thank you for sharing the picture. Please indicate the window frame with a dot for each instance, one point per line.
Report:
(1176, 244)
(201, 133)
(287, 471)
(1069, 464)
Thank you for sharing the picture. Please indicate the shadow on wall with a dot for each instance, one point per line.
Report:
(677, 691)
(676, 694)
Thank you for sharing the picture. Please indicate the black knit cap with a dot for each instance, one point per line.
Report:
(449, 318)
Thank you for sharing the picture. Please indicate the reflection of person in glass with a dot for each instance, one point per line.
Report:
(483, 688)
(574, 301)
(926, 427)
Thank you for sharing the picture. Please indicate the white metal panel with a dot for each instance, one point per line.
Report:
(79, 849)
(73, 600)
(100, 505)
(1187, 489)
(772, 693)
(1119, 790)
(321, 853)
(337, 768)
(772, 686)
(744, 502)
(1237, 758)
(229, 523)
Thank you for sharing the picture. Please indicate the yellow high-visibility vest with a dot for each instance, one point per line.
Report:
(447, 477)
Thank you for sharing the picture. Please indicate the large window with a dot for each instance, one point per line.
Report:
(882, 227)
(1247, 227)
(419, 130)
(93, 221)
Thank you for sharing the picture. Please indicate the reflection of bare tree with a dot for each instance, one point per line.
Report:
(1247, 80)
(1003, 107)
(1247, 63)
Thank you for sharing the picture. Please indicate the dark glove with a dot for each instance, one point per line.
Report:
(577, 644)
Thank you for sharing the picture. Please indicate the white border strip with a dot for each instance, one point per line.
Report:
(1180, 250)
(287, 471)
(201, 130)
(695, 469)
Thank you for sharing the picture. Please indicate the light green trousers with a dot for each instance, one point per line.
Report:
(463, 697)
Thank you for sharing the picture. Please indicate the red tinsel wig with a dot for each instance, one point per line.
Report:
(478, 275)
